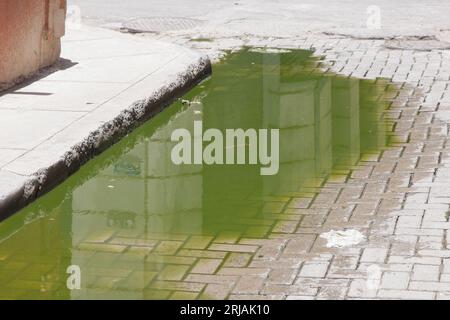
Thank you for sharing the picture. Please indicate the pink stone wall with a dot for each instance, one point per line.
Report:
(30, 33)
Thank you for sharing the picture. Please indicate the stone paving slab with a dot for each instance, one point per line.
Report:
(105, 85)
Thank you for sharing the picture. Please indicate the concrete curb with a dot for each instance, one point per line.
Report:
(106, 135)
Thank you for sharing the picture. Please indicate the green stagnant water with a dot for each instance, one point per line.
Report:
(130, 218)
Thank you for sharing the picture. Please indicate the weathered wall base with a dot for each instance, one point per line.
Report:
(30, 33)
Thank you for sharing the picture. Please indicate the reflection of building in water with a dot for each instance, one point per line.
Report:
(301, 108)
(132, 222)
(324, 122)
(373, 105)
(346, 121)
(145, 183)
(141, 193)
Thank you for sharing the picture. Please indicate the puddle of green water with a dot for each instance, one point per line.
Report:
(135, 223)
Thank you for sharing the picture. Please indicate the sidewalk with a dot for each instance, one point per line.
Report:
(105, 85)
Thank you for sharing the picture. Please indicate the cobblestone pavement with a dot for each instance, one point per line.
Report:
(377, 230)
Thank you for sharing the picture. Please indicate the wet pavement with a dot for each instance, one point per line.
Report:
(330, 224)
